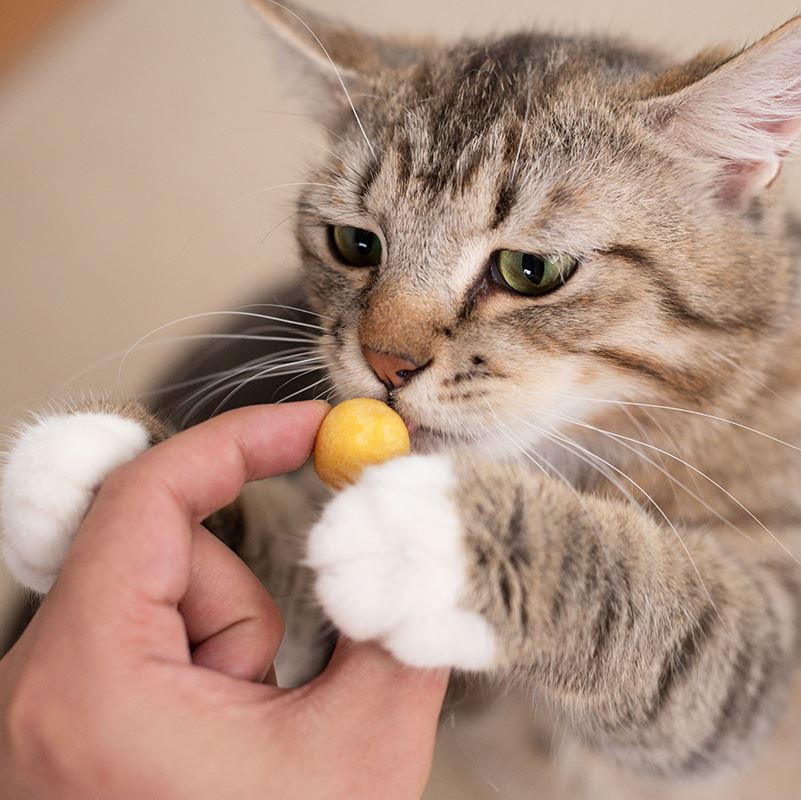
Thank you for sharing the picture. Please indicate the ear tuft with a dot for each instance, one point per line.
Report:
(335, 56)
(325, 42)
(316, 39)
(744, 115)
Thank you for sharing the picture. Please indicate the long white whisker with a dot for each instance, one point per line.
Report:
(284, 360)
(211, 376)
(269, 372)
(522, 132)
(644, 434)
(620, 436)
(275, 227)
(298, 375)
(733, 363)
(658, 508)
(683, 411)
(174, 340)
(206, 315)
(578, 495)
(315, 143)
(304, 389)
(336, 72)
(527, 453)
(588, 457)
(288, 308)
(257, 192)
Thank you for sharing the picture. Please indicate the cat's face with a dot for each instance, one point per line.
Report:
(539, 146)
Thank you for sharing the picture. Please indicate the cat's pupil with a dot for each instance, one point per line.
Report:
(533, 268)
(363, 240)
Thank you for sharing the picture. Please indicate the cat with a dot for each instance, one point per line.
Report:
(567, 263)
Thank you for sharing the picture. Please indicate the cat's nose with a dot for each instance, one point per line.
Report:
(392, 370)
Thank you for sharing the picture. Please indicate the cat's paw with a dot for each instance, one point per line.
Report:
(48, 483)
(392, 565)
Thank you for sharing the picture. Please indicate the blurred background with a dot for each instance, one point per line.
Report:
(138, 144)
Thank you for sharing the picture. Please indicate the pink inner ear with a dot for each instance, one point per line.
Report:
(744, 116)
(785, 130)
(757, 175)
(743, 178)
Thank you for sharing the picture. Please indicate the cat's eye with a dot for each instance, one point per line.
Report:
(530, 274)
(355, 246)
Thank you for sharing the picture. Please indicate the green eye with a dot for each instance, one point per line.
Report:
(355, 246)
(530, 274)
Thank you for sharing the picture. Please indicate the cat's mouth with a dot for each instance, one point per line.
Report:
(426, 437)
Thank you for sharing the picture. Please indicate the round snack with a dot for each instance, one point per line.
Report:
(357, 434)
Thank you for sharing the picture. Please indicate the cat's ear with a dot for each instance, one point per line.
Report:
(742, 117)
(329, 53)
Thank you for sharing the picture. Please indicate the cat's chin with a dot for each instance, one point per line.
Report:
(430, 440)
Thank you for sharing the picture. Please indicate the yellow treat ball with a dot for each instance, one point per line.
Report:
(357, 434)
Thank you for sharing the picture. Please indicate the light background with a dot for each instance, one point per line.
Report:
(137, 145)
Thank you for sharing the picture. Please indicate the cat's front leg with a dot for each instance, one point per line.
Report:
(494, 567)
(50, 475)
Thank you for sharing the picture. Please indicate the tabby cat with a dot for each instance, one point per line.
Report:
(566, 262)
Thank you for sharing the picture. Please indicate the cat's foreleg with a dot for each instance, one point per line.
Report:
(669, 650)
(51, 472)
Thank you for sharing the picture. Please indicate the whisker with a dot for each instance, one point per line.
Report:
(299, 375)
(269, 372)
(587, 457)
(307, 339)
(643, 434)
(304, 389)
(237, 201)
(170, 387)
(212, 388)
(289, 308)
(658, 508)
(275, 227)
(690, 411)
(206, 315)
(733, 363)
(579, 496)
(336, 72)
(309, 140)
(619, 436)
(257, 192)
(522, 131)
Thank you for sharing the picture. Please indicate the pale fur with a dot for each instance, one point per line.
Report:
(49, 481)
(391, 565)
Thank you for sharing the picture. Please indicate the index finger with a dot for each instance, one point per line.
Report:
(138, 533)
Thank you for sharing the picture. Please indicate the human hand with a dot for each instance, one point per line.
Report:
(140, 674)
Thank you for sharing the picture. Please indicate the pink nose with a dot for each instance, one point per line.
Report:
(390, 369)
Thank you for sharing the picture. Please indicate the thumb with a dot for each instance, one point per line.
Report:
(384, 708)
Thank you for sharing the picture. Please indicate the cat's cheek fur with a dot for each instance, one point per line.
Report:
(392, 565)
(48, 484)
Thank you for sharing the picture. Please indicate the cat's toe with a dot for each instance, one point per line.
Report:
(48, 482)
(392, 565)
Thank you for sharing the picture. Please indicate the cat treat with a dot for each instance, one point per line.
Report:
(357, 434)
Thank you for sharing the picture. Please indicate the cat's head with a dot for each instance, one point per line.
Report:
(509, 231)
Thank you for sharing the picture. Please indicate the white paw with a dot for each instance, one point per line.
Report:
(48, 483)
(392, 565)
